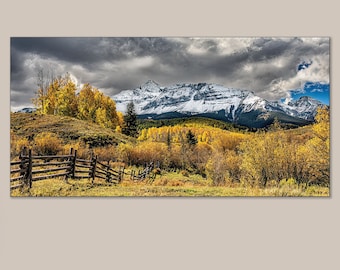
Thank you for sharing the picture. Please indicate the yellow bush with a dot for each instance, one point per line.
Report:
(47, 143)
(145, 152)
(216, 168)
(18, 144)
(83, 150)
(106, 153)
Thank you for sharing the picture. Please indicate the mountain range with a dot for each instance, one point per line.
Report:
(241, 107)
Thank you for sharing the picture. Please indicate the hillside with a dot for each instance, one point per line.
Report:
(67, 128)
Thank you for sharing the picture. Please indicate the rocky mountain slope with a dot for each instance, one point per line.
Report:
(237, 106)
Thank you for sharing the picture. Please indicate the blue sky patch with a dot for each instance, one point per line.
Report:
(316, 90)
(304, 65)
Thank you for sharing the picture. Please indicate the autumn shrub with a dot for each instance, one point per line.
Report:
(176, 159)
(106, 153)
(47, 143)
(199, 157)
(233, 164)
(185, 173)
(227, 141)
(124, 153)
(17, 145)
(267, 156)
(146, 152)
(83, 150)
(216, 168)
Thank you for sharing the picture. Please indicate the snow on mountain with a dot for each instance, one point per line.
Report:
(150, 98)
(203, 98)
(305, 107)
(26, 110)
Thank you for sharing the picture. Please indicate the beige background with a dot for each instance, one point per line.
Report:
(167, 233)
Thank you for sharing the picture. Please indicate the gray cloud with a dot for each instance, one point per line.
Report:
(267, 66)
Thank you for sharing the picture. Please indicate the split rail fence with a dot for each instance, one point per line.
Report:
(30, 168)
(147, 172)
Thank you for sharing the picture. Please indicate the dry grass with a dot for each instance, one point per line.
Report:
(67, 128)
(167, 185)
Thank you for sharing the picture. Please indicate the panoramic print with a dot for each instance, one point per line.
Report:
(170, 116)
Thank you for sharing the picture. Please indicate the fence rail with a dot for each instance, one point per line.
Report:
(28, 169)
(143, 174)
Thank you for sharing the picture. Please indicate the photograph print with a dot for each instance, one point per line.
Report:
(170, 116)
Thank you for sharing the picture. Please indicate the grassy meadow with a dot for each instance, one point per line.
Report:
(172, 184)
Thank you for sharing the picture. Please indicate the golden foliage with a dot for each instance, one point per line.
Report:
(146, 152)
(17, 144)
(91, 104)
(276, 156)
(217, 168)
(47, 143)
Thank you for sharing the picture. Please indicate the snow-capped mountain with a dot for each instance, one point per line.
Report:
(27, 110)
(238, 106)
(305, 108)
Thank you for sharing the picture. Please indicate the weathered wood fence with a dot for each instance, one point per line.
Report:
(147, 172)
(30, 168)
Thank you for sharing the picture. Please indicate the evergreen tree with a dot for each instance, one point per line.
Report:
(130, 121)
(191, 139)
(168, 140)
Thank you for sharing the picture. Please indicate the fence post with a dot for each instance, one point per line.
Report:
(73, 165)
(108, 174)
(94, 165)
(22, 166)
(29, 170)
(23, 152)
(121, 174)
(70, 168)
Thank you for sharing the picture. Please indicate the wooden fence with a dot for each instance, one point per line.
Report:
(32, 168)
(147, 172)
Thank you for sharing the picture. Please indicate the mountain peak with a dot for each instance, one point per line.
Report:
(150, 86)
(306, 100)
(212, 100)
(150, 83)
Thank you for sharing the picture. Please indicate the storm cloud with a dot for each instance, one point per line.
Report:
(268, 66)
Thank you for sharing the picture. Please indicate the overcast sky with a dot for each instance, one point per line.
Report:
(271, 67)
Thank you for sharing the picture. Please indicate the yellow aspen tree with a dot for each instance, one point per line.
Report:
(86, 108)
(319, 149)
(143, 135)
(120, 119)
(66, 99)
(101, 117)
